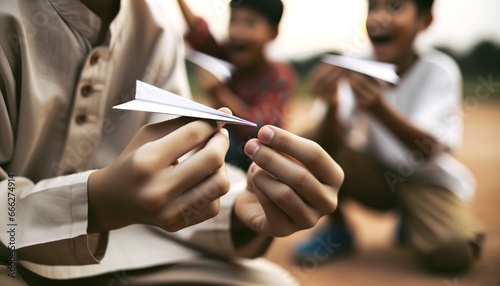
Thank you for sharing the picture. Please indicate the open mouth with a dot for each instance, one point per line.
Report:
(240, 46)
(381, 39)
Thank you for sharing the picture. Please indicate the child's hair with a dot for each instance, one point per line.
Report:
(271, 9)
(424, 5)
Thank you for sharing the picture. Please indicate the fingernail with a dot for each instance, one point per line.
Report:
(251, 148)
(226, 110)
(266, 134)
(224, 130)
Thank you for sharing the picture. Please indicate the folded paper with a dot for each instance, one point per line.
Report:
(382, 71)
(149, 98)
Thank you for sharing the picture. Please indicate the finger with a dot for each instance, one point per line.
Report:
(319, 77)
(226, 110)
(324, 80)
(194, 218)
(167, 149)
(316, 77)
(362, 84)
(154, 131)
(362, 78)
(200, 147)
(297, 177)
(181, 177)
(194, 201)
(360, 94)
(275, 222)
(332, 81)
(287, 200)
(307, 152)
(250, 173)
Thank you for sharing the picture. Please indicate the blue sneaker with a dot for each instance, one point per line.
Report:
(401, 235)
(328, 243)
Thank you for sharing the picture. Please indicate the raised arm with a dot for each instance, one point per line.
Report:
(198, 35)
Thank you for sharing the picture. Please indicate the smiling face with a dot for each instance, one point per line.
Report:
(392, 27)
(249, 33)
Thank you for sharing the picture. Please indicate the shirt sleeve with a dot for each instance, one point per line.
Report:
(438, 110)
(47, 222)
(44, 222)
(200, 39)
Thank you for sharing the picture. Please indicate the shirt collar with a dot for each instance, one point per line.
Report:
(79, 17)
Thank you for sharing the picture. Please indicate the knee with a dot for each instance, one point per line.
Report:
(451, 256)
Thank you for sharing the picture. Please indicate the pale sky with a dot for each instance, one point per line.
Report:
(311, 26)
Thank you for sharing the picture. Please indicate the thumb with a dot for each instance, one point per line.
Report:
(226, 110)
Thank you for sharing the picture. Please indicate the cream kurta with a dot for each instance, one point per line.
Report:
(56, 123)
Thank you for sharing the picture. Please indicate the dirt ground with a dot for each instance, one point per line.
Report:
(377, 261)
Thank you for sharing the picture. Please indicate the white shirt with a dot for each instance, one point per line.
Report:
(56, 126)
(430, 96)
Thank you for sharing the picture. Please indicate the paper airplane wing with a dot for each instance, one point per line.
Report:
(149, 98)
(382, 71)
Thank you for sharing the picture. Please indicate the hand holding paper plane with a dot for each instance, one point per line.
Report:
(149, 98)
(383, 71)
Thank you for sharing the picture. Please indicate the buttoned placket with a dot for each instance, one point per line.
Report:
(88, 113)
(87, 116)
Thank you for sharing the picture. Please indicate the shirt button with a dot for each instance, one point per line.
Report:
(94, 59)
(80, 119)
(86, 90)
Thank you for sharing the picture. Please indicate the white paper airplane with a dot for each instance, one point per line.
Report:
(383, 71)
(149, 98)
(222, 70)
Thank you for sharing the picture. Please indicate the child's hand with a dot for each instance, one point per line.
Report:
(324, 82)
(207, 81)
(148, 185)
(367, 90)
(291, 185)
